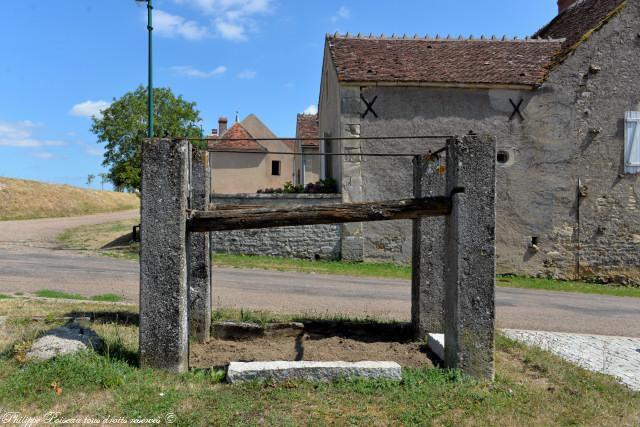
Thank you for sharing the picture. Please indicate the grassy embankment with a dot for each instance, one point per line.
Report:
(113, 239)
(22, 199)
(532, 387)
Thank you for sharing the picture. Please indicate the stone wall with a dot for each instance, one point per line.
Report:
(572, 134)
(308, 241)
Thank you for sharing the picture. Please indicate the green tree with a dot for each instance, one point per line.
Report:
(90, 179)
(123, 126)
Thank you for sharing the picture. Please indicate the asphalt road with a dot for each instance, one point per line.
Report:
(29, 261)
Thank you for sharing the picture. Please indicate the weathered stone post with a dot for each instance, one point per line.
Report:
(199, 256)
(164, 332)
(429, 251)
(469, 297)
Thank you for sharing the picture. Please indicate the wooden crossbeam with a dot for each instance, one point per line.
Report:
(243, 219)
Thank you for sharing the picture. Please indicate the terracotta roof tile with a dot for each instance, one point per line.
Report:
(579, 20)
(307, 127)
(243, 141)
(442, 61)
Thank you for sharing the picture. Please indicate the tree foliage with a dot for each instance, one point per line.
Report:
(123, 126)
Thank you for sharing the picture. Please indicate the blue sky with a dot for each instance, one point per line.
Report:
(64, 60)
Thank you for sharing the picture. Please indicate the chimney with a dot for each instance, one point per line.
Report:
(222, 125)
(564, 5)
(214, 132)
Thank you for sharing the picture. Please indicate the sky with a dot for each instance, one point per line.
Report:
(63, 61)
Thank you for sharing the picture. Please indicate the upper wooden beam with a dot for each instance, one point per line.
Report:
(243, 219)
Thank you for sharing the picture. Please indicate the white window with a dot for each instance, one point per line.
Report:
(632, 142)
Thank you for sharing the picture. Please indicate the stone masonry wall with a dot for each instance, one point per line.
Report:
(308, 241)
(572, 133)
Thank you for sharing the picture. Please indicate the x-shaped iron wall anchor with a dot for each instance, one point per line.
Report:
(369, 106)
(516, 109)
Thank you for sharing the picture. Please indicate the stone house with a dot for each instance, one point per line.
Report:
(307, 167)
(564, 106)
(249, 161)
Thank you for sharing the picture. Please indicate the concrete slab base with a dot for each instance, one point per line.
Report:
(311, 371)
(435, 342)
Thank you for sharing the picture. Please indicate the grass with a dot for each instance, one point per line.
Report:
(22, 199)
(567, 286)
(114, 239)
(45, 293)
(3, 296)
(532, 387)
(263, 317)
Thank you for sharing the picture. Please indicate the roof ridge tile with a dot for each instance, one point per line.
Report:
(449, 37)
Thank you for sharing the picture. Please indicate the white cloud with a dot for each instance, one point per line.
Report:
(311, 109)
(43, 155)
(247, 75)
(233, 19)
(89, 109)
(230, 31)
(167, 25)
(342, 13)
(189, 71)
(20, 135)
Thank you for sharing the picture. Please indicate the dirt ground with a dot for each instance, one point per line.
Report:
(218, 352)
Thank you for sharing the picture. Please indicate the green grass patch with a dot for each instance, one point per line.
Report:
(46, 293)
(359, 269)
(532, 387)
(264, 317)
(566, 286)
(3, 296)
(107, 298)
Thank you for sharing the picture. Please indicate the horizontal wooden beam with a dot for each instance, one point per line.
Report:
(243, 219)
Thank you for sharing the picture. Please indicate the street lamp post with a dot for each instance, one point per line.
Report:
(150, 86)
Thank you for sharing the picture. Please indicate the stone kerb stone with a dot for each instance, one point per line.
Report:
(310, 371)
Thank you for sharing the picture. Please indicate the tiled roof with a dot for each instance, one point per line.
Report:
(307, 127)
(442, 61)
(578, 21)
(242, 140)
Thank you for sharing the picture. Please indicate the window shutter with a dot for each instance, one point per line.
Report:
(632, 142)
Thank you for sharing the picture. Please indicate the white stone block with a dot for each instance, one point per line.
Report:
(436, 344)
(311, 371)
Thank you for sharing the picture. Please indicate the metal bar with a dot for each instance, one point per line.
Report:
(324, 154)
(243, 219)
(326, 138)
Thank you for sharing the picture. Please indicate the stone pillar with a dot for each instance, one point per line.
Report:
(469, 297)
(199, 255)
(164, 332)
(429, 251)
(352, 243)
